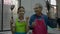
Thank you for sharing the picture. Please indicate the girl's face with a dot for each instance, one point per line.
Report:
(21, 12)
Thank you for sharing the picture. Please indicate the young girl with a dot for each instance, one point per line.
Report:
(21, 25)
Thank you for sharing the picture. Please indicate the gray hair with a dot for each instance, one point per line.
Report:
(38, 4)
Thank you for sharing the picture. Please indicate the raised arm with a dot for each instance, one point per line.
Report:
(50, 23)
(27, 24)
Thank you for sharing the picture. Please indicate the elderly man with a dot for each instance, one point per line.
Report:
(39, 21)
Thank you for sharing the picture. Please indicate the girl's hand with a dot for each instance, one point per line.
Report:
(27, 18)
(27, 28)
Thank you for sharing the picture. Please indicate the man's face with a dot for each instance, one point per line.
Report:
(37, 10)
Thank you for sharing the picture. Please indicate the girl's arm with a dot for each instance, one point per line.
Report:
(27, 24)
(27, 28)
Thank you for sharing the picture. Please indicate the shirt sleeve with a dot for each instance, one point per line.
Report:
(50, 23)
(30, 22)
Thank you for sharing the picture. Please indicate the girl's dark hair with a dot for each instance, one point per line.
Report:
(20, 8)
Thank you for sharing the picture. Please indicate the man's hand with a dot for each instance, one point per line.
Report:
(33, 24)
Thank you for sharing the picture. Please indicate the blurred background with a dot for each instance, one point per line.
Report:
(8, 9)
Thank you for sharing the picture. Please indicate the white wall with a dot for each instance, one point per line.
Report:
(6, 17)
(15, 2)
(7, 14)
(0, 12)
(29, 4)
(58, 8)
(52, 13)
(53, 2)
(0, 1)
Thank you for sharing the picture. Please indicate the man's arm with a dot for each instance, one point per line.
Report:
(50, 23)
(31, 22)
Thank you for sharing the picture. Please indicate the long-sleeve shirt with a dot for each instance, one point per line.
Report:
(47, 22)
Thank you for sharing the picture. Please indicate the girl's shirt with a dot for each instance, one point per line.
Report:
(20, 25)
